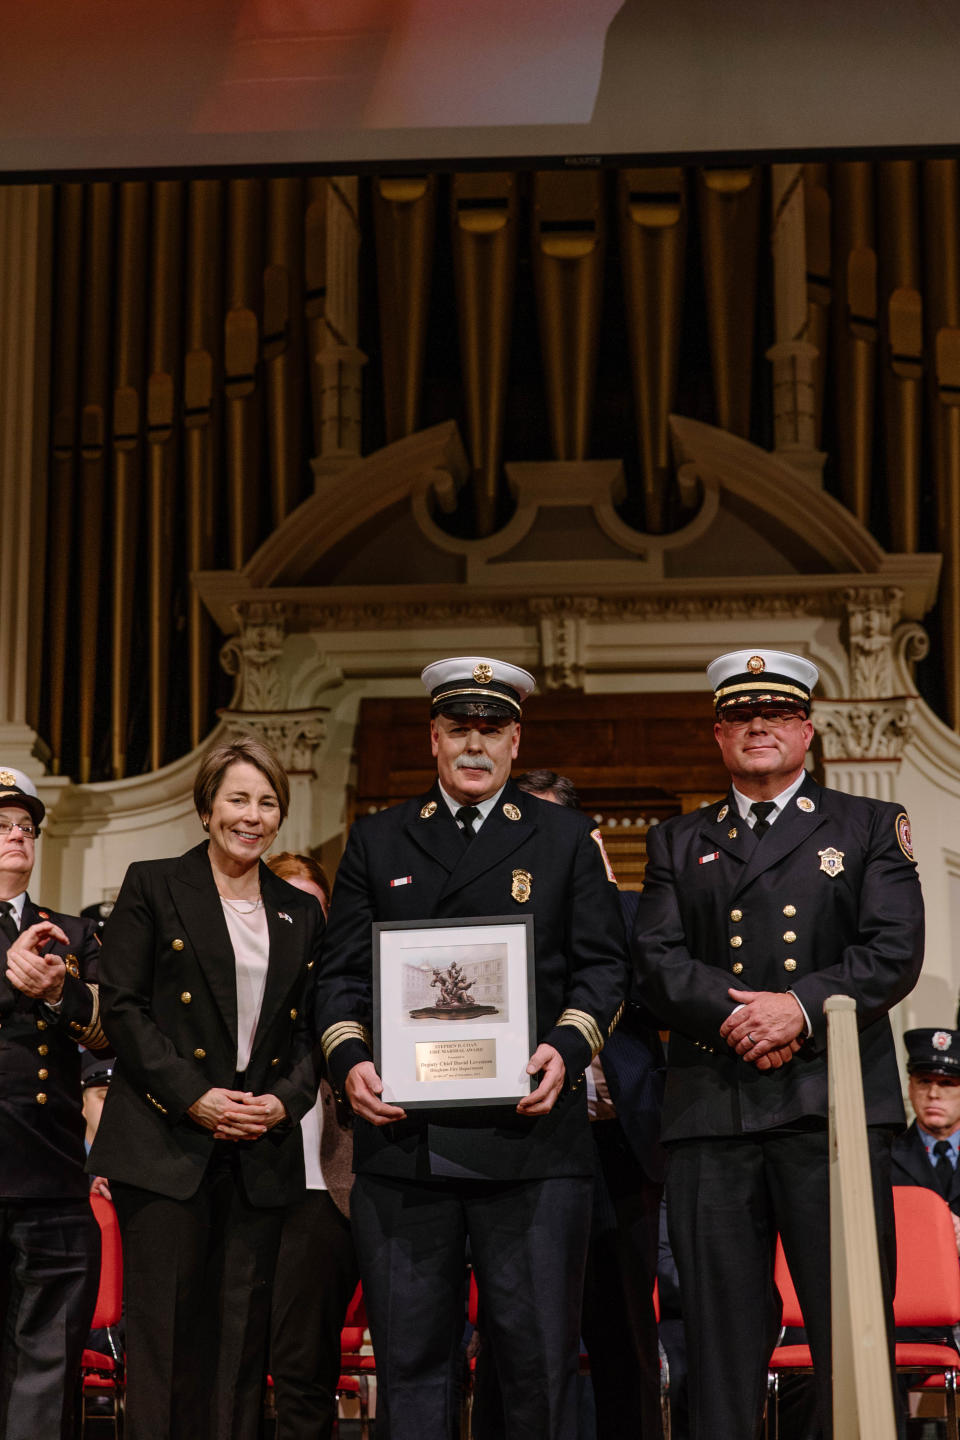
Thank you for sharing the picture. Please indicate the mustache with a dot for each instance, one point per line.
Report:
(473, 762)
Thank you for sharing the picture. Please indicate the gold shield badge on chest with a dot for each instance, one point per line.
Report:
(522, 886)
(831, 861)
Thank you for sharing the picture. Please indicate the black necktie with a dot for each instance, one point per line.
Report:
(466, 815)
(943, 1167)
(8, 925)
(762, 808)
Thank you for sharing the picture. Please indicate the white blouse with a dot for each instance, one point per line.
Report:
(251, 950)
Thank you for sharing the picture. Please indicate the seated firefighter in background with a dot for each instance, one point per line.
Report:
(926, 1154)
(49, 1240)
(516, 1180)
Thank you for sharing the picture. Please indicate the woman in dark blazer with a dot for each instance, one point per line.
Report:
(207, 961)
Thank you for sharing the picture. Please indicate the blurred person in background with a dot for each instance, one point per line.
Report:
(317, 1269)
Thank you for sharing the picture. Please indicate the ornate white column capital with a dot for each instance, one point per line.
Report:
(869, 729)
(297, 737)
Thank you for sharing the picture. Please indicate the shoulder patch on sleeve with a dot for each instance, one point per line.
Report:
(904, 838)
(598, 838)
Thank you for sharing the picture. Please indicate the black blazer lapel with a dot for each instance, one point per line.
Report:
(194, 895)
(286, 926)
(434, 830)
(795, 825)
(497, 837)
(724, 830)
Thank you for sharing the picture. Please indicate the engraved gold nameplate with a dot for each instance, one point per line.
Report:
(429, 809)
(439, 1060)
(522, 886)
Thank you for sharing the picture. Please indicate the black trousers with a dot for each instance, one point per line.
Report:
(49, 1272)
(528, 1241)
(197, 1277)
(315, 1279)
(726, 1201)
(619, 1323)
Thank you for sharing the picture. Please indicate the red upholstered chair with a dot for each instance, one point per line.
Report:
(102, 1374)
(355, 1367)
(927, 1297)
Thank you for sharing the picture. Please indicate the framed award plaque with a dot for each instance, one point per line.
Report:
(454, 1010)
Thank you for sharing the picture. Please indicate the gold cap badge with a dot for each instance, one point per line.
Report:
(483, 673)
(429, 809)
(511, 811)
(522, 886)
(7, 777)
(756, 665)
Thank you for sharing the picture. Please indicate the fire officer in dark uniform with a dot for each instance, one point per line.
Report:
(515, 1180)
(926, 1154)
(49, 1241)
(755, 910)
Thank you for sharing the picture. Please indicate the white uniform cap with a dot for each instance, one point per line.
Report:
(761, 677)
(477, 685)
(16, 788)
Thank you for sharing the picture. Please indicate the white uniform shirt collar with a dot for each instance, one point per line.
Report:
(779, 801)
(484, 806)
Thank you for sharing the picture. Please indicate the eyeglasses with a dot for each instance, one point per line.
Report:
(28, 831)
(775, 715)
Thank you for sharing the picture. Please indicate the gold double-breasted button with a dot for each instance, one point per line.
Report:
(43, 1049)
(789, 911)
(185, 997)
(275, 1060)
(41, 1098)
(293, 1013)
(737, 967)
(199, 1053)
(41, 1024)
(176, 944)
(789, 936)
(310, 964)
(736, 941)
(42, 1074)
(736, 915)
(790, 965)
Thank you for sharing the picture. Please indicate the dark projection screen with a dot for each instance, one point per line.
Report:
(107, 84)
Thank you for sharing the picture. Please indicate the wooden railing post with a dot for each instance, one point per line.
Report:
(862, 1391)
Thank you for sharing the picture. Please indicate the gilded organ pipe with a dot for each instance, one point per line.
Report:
(95, 399)
(941, 195)
(241, 348)
(729, 219)
(127, 454)
(653, 235)
(283, 341)
(164, 344)
(203, 365)
(404, 216)
(902, 375)
(568, 245)
(68, 291)
(817, 221)
(484, 217)
(855, 331)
